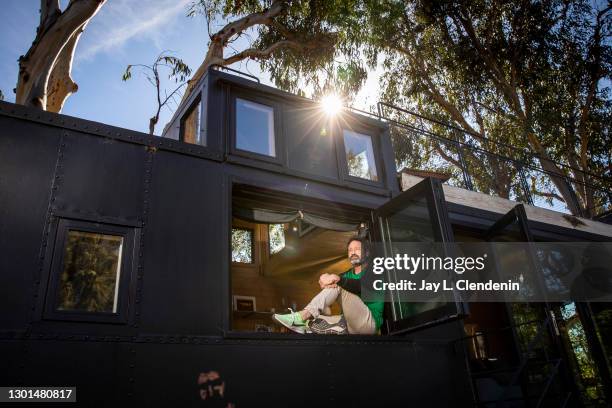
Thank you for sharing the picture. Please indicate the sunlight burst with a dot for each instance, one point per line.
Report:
(331, 104)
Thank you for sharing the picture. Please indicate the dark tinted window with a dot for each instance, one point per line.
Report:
(91, 268)
(191, 125)
(360, 155)
(255, 127)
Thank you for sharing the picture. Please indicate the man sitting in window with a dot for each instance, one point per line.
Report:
(358, 317)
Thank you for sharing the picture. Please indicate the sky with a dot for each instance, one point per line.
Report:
(123, 32)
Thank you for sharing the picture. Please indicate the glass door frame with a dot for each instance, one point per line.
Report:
(431, 189)
(518, 215)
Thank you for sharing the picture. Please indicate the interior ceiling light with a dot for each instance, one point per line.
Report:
(331, 104)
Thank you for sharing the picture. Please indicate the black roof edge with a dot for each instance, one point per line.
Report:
(99, 129)
(270, 90)
(237, 80)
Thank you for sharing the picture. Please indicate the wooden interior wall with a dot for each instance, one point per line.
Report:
(274, 294)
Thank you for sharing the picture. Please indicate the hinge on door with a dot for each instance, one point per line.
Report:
(554, 321)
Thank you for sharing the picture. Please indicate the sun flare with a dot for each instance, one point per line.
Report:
(331, 104)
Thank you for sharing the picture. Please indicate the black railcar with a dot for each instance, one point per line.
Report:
(170, 199)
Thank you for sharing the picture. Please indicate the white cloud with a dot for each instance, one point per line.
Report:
(118, 21)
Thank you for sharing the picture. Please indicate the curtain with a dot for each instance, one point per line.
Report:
(263, 216)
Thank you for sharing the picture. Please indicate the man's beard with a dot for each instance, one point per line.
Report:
(356, 261)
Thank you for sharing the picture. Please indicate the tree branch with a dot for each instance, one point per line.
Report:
(36, 66)
(255, 53)
(221, 37)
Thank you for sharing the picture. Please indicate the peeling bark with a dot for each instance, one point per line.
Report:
(61, 84)
(44, 72)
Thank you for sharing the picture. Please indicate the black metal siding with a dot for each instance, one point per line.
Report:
(28, 154)
(177, 201)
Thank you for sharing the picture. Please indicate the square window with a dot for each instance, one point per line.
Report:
(255, 127)
(242, 245)
(190, 125)
(360, 155)
(276, 234)
(90, 272)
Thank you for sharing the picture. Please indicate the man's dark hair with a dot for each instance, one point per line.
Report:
(356, 238)
(365, 246)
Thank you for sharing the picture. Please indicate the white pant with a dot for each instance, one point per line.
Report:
(358, 317)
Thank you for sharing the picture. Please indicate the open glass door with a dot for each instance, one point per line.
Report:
(417, 216)
(538, 329)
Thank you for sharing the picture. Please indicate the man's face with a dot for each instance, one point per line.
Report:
(354, 252)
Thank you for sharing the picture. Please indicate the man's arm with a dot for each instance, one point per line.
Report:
(328, 280)
(352, 285)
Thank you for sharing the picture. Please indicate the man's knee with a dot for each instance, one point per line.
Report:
(345, 294)
(331, 290)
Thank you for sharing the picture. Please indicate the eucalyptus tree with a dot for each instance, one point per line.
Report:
(297, 41)
(533, 75)
(44, 79)
(174, 67)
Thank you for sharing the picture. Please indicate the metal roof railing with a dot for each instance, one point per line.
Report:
(492, 167)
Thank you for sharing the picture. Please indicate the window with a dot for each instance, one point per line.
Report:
(242, 245)
(360, 155)
(255, 128)
(89, 280)
(190, 125)
(90, 272)
(276, 233)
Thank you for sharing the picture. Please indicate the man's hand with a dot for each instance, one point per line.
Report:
(328, 280)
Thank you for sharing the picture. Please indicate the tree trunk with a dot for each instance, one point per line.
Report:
(556, 175)
(214, 56)
(152, 123)
(61, 85)
(44, 72)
